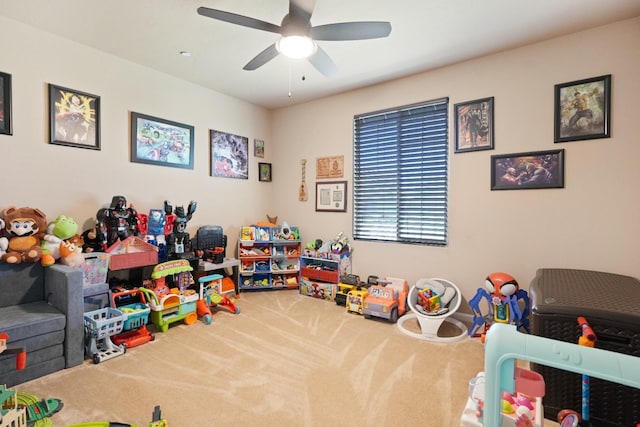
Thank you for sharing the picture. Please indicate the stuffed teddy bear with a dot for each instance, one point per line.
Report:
(61, 229)
(26, 227)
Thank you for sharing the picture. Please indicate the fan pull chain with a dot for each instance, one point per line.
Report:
(289, 79)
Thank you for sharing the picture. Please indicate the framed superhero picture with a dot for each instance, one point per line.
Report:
(582, 109)
(74, 118)
(5, 103)
(474, 125)
(161, 142)
(534, 169)
(229, 155)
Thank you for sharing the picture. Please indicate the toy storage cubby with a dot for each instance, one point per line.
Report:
(269, 257)
(321, 272)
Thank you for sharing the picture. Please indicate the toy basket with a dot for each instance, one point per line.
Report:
(104, 323)
(136, 313)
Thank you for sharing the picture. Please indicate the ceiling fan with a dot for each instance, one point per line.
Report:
(298, 37)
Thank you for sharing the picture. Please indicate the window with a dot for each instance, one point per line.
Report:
(400, 174)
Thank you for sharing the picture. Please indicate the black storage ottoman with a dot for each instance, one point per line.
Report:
(611, 305)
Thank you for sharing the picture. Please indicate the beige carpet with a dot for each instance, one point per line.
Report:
(285, 360)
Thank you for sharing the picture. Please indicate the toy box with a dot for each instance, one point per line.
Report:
(610, 303)
(132, 252)
(320, 290)
(95, 268)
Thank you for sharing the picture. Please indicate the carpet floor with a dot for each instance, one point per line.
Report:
(284, 360)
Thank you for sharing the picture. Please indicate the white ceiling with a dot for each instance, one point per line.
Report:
(425, 34)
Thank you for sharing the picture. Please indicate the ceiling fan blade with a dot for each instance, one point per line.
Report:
(351, 31)
(301, 9)
(323, 63)
(233, 18)
(262, 58)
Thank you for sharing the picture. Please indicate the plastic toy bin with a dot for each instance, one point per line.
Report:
(611, 305)
(95, 268)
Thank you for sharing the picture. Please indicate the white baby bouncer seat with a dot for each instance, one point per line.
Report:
(430, 322)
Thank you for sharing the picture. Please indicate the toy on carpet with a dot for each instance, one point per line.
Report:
(387, 299)
(211, 296)
(39, 410)
(433, 302)
(25, 228)
(173, 301)
(156, 421)
(503, 296)
(133, 304)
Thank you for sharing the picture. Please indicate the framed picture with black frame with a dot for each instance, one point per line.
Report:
(74, 118)
(5, 104)
(530, 170)
(582, 109)
(474, 125)
(264, 172)
(161, 142)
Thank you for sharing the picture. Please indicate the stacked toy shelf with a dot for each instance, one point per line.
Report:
(321, 271)
(269, 257)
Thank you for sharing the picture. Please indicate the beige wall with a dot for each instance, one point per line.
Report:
(77, 182)
(593, 223)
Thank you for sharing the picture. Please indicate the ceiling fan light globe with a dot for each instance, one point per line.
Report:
(296, 46)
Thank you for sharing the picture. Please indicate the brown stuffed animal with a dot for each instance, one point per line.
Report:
(25, 228)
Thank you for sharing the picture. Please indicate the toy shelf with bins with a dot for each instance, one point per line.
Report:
(321, 272)
(269, 257)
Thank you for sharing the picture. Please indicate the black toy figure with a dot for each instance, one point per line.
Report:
(178, 240)
(92, 240)
(117, 221)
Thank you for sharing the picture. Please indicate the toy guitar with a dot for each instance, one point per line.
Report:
(302, 194)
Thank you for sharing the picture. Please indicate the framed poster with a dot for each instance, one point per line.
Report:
(331, 196)
(161, 142)
(229, 155)
(5, 104)
(535, 169)
(258, 148)
(264, 172)
(474, 125)
(330, 167)
(74, 118)
(582, 109)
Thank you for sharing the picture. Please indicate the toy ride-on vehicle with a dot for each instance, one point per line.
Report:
(211, 295)
(387, 299)
(347, 283)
